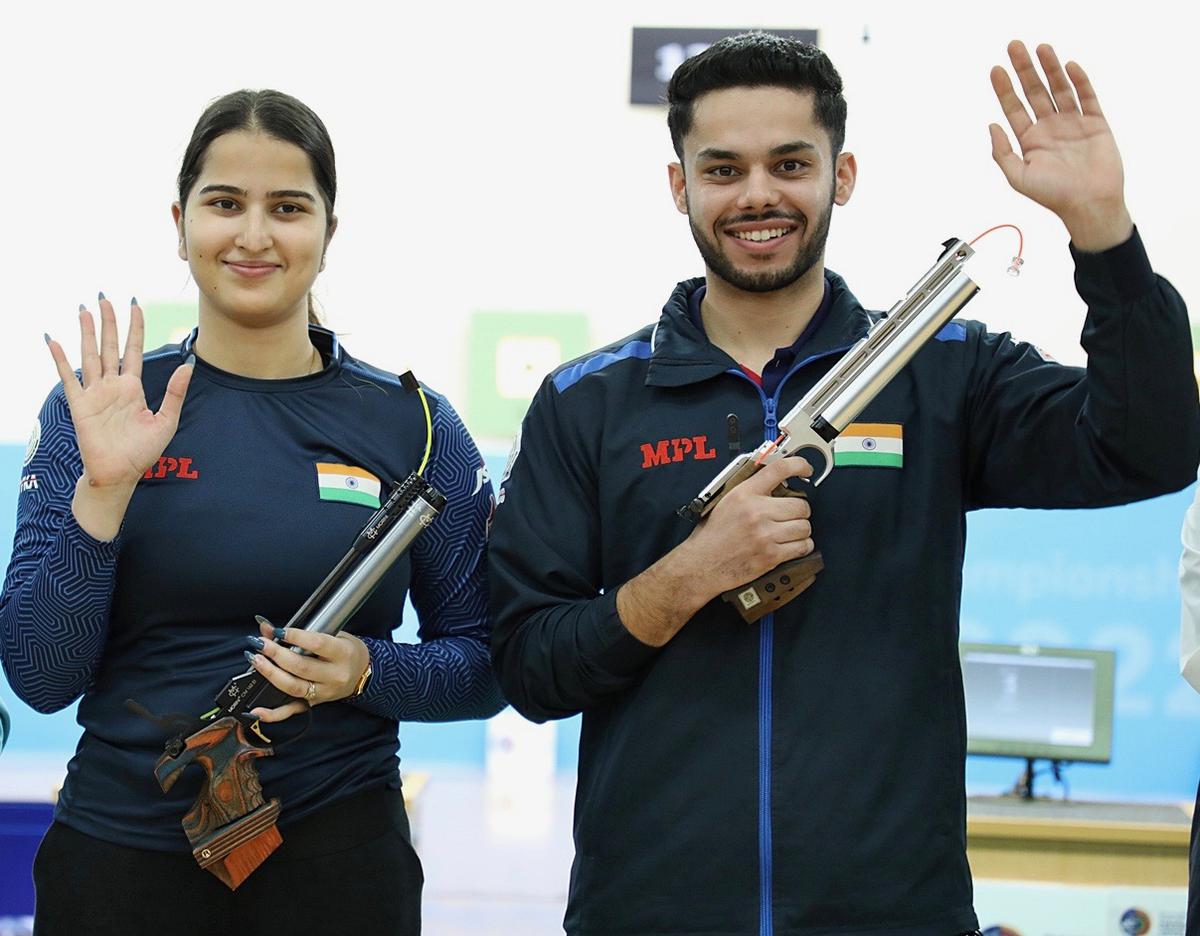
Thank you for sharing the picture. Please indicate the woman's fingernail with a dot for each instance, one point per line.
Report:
(133, 301)
(82, 307)
(250, 657)
(256, 642)
(191, 359)
(100, 296)
(46, 335)
(279, 632)
(259, 619)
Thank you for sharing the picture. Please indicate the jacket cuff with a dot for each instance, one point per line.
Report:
(1123, 271)
(606, 642)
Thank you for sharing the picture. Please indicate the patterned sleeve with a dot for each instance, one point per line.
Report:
(448, 675)
(58, 590)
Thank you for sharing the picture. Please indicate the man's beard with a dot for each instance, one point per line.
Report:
(719, 264)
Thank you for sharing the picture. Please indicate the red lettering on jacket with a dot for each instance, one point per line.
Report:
(655, 454)
(180, 467)
(676, 450)
(703, 452)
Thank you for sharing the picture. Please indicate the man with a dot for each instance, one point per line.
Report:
(804, 774)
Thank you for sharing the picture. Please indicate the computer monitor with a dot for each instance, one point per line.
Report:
(1039, 702)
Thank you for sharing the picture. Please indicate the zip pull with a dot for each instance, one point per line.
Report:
(735, 439)
(770, 424)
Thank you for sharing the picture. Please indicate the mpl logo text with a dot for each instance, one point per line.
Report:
(676, 450)
(174, 467)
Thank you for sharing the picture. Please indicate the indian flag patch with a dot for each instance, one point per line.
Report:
(347, 484)
(871, 445)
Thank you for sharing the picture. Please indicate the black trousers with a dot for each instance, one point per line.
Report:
(348, 868)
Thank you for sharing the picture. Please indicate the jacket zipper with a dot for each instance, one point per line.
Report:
(766, 645)
(766, 625)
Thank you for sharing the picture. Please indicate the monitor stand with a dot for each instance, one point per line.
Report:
(1023, 787)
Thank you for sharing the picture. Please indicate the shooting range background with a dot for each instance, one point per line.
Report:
(503, 207)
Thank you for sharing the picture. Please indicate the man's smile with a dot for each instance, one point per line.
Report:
(761, 236)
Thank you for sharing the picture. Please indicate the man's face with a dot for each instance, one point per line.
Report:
(758, 184)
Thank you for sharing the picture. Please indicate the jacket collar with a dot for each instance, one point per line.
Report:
(681, 354)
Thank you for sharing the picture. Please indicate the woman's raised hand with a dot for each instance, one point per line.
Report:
(119, 437)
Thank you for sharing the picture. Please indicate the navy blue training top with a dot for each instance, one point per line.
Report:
(232, 522)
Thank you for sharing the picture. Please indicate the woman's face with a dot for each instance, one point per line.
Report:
(254, 229)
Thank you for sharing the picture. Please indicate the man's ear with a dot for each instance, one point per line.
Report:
(177, 217)
(678, 186)
(845, 173)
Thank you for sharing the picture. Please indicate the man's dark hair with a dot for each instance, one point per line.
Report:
(756, 60)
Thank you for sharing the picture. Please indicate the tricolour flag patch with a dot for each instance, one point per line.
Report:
(871, 445)
(347, 484)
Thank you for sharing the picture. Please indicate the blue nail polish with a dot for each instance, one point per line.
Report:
(133, 301)
(191, 359)
(82, 307)
(256, 642)
(249, 657)
(100, 297)
(278, 632)
(46, 335)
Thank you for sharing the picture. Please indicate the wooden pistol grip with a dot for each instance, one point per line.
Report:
(231, 828)
(747, 471)
(779, 586)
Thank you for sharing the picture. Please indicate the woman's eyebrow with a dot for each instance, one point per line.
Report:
(278, 193)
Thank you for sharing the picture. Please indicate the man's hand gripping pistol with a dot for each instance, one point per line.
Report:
(813, 424)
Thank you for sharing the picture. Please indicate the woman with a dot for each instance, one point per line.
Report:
(159, 528)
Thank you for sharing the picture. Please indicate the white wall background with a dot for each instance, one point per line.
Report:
(489, 159)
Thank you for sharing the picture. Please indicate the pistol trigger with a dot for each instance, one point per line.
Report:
(257, 729)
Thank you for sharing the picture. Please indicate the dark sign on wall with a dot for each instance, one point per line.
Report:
(657, 52)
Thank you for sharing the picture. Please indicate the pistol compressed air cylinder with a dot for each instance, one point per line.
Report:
(421, 506)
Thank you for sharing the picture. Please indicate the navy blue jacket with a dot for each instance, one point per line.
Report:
(803, 774)
(231, 523)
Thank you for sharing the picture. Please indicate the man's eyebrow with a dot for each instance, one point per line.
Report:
(710, 152)
(796, 146)
(278, 193)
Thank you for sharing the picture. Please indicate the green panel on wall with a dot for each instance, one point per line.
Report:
(167, 322)
(509, 354)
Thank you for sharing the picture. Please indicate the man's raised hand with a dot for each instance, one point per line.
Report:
(1069, 161)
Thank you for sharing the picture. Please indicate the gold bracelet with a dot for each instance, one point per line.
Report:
(361, 686)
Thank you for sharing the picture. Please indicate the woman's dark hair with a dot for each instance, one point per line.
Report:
(277, 115)
(755, 60)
